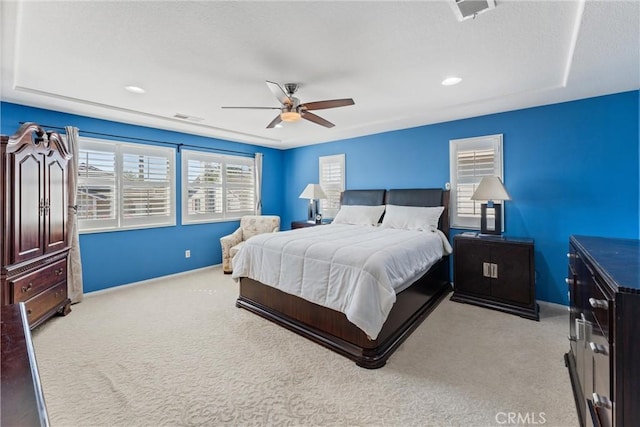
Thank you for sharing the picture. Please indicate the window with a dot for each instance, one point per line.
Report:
(470, 160)
(216, 187)
(124, 186)
(332, 172)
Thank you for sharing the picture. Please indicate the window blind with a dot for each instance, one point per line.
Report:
(216, 187)
(332, 178)
(122, 186)
(470, 160)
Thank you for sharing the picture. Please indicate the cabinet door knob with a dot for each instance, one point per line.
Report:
(599, 303)
(599, 348)
(601, 401)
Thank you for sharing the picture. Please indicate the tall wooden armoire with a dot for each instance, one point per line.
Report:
(33, 216)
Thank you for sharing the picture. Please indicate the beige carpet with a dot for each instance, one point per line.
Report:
(177, 352)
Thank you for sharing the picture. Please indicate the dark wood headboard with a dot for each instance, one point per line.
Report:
(362, 197)
(424, 197)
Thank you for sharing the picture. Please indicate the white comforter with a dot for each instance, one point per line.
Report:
(354, 269)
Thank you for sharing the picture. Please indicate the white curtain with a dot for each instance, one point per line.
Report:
(74, 264)
(258, 169)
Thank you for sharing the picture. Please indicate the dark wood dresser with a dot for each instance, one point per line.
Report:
(604, 330)
(495, 272)
(22, 401)
(33, 215)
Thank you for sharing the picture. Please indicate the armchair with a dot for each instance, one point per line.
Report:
(250, 225)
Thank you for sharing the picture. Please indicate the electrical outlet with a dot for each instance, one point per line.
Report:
(187, 253)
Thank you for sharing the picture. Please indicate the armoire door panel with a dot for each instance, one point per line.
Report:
(55, 207)
(28, 207)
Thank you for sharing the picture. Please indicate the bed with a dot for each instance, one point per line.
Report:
(330, 327)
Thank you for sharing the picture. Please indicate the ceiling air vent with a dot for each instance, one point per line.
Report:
(465, 9)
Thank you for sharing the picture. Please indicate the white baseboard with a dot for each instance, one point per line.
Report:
(147, 281)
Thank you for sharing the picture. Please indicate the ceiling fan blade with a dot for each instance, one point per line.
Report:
(257, 108)
(322, 105)
(274, 122)
(317, 119)
(279, 93)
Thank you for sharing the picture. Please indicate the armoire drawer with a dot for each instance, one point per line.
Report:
(42, 303)
(32, 284)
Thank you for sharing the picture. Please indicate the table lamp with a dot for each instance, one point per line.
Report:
(491, 189)
(313, 192)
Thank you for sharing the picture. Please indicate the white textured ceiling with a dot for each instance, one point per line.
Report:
(389, 56)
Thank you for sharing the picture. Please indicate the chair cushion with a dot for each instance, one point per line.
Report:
(234, 250)
(253, 225)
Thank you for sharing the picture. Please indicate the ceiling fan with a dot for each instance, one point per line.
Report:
(291, 110)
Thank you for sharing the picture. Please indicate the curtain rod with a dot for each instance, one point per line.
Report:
(178, 145)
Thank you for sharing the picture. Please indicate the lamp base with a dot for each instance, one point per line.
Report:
(497, 225)
(313, 208)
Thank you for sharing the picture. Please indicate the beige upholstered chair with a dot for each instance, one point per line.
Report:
(250, 226)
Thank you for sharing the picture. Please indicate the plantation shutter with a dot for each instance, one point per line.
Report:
(96, 200)
(470, 160)
(240, 186)
(147, 196)
(216, 187)
(332, 181)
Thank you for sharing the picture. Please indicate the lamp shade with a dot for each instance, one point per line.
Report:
(490, 188)
(313, 192)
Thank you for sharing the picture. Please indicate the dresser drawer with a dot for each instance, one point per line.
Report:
(42, 303)
(32, 284)
(601, 307)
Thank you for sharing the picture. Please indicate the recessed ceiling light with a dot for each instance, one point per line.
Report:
(450, 81)
(135, 89)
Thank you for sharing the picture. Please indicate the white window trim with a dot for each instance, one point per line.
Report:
(332, 190)
(188, 219)
(119, 223)
(469, 144)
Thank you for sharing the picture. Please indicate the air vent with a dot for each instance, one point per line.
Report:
(187, 117)
(465, 9)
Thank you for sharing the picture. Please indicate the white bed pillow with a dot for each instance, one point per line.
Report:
(359, 215)
(412, 217)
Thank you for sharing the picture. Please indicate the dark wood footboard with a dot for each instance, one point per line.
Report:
(331, 328)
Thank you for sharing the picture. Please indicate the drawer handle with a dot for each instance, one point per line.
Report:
(599, 303)
(599, 348)
(59, 271)
(26, 289)
(568, 281)
(29, 311)
(601, 401)
(570, 255)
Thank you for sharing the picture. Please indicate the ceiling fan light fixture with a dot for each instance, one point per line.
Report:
(290, 116)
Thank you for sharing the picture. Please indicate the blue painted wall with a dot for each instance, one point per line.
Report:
(570, 168)
(115, 258)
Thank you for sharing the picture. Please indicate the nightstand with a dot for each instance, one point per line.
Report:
(495, 272)
(303, 224)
